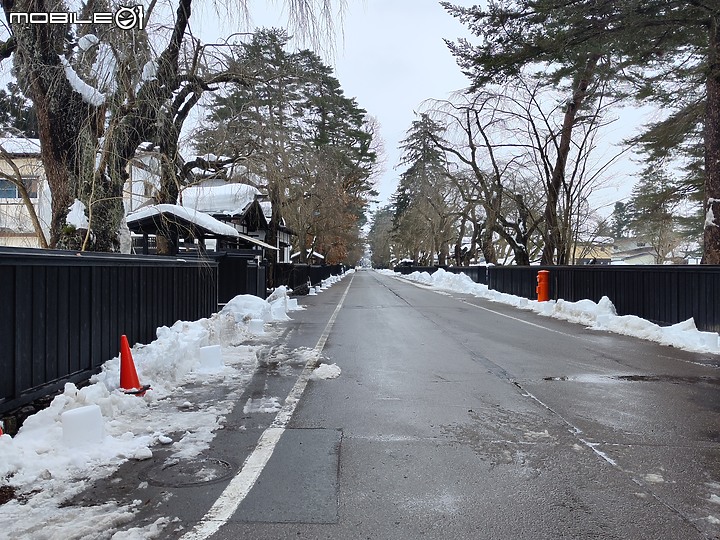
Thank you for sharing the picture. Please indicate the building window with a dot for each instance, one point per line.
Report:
(8, 190)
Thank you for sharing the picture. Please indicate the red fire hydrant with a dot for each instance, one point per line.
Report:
(543, 286)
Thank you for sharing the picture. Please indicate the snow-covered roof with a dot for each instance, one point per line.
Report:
(225, 199)
(198, 218)
(266, 209)
(18, 145)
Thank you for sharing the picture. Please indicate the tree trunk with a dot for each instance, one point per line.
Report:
(487, 246)
(169, 188)
(553, 238)
(60, 111)
(275, 193)
(712, 150)
(458, 244)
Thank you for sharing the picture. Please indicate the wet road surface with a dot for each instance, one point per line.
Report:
(458, 418)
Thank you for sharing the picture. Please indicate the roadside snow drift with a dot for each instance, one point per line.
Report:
(600, 315)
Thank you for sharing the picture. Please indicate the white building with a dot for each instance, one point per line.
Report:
(16, 226)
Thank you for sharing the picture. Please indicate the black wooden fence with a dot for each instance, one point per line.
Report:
(239, 272)
(662, 294)
(62, 313)
(296, 276)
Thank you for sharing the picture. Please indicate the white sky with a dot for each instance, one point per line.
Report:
(389, 56)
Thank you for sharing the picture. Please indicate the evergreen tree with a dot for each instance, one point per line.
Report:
(423, 217)
(517, 35)
(292, 127)
(620, 220)
(17, 116)
(666, 49)
(652, 212)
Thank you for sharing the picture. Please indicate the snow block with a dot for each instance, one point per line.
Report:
(709, 340)
(256, 326)
(602, 320)
(211, 358)
(81, 426)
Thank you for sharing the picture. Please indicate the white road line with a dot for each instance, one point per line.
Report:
(241, 484)
(447, 293)
(541, 327)
(574, 430)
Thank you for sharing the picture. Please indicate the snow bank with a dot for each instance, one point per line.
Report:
(601, 315)
(40, 466)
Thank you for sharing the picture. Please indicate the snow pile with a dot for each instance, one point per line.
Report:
(45, 471)
(327, 283)
(77, 216)
(326, 371)
(601, 315)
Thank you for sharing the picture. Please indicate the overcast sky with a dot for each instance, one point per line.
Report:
(392, 59)
(390, 56)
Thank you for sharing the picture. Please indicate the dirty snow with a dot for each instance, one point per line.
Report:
(45, 472)
(326, 371)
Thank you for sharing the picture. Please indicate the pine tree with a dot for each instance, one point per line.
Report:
(17, 116)
(652, 212)
(423, 216)
(292, 126)
(665, 51)
(620, 220)
(518, 35)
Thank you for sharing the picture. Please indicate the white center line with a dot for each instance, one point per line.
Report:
(241, 484)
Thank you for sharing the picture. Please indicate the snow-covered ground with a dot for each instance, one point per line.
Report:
(45, 465)
(45, 468)
(600, 316)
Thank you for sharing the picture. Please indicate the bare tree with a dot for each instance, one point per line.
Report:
(92, 119)
(509, 139)
(475, 123)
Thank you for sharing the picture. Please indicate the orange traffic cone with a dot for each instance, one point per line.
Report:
(129, 381)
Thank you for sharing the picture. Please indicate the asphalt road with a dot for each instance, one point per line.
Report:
(459, 418)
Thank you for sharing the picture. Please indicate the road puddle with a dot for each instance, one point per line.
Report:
(610, 379)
